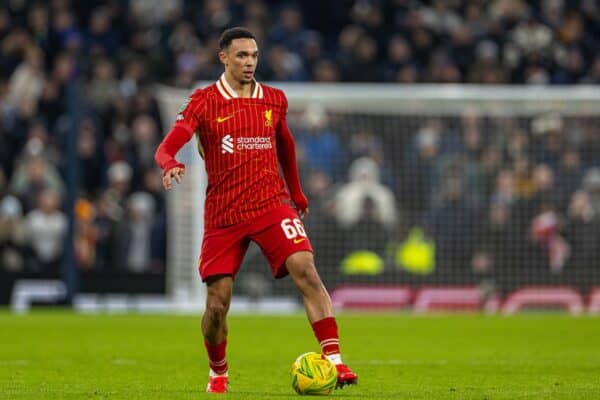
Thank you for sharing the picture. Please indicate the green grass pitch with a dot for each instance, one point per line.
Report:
(61, 355)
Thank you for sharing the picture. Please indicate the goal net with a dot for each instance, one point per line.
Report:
(412, 188)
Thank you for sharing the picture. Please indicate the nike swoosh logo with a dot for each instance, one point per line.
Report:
(223, 119)
(296, 241)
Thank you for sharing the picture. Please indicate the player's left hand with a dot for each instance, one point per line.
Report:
(303, 213)
(301, 203)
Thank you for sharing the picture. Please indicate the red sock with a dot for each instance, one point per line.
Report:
(216, 356)
(326, 331)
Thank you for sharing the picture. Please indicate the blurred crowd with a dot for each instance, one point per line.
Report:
(114, 51)
(515, 200)
(46, 49)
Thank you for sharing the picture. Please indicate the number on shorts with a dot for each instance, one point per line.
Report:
(292, 228)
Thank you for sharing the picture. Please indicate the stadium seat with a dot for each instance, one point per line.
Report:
(454, 298)
(545, 297)
(371, 297)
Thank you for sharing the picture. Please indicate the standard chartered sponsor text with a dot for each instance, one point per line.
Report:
(253, 143)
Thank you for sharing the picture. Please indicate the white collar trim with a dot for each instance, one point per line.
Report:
(228, 93)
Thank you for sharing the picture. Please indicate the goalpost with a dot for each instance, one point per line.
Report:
(430, 148)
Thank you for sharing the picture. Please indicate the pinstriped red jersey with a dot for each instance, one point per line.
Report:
(237, 139)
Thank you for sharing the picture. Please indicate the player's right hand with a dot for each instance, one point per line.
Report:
(175, 172)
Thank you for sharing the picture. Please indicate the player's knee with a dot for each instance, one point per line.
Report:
(216, 311)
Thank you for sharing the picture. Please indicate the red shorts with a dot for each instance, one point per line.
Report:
(279, 233)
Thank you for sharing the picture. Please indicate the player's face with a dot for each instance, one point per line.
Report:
(240, 59)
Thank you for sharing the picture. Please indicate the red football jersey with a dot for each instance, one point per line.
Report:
(237, 139)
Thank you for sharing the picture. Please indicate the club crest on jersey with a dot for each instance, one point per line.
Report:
(268, 118)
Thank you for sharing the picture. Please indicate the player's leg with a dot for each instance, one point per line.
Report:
(317, 303)
(318, 307)
(218, 300)
(214, 330)
(284, 242)
(214, 320)
(222, 253)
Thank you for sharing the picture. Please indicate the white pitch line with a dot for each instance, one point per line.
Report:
(398, 362)
(124, 361)
(15, 362)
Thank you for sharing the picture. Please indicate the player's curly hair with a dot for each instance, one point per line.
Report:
(237, 32)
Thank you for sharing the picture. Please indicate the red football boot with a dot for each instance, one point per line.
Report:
(217, 384)
(345, 376)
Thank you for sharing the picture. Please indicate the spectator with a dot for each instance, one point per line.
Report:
(399, 56)
(539, 196)
(486, 68)
(347, 40)
(284, 65)
(440, 17)
(493, 246)
(490, 167)
(34, 175)
(591, 186)
(150, 12)
(461, 47)
(452, 224)
(46, 227)
(325, 71)
(119, 187)
(144, 135)
(593, 75)
(91, 159)
(289, 31)
(362, 66)
(27, 81)
(568, 177)
(364, 182)
(504, 193)
(12, 235)
(582, 232)
(101, 39)
(152, 184)
(417, 173)
(591, 143)
(324, 151)
(38, 23)
(103, 87)
(369, 232)
(545, 231)
(133, 236)
(321, 222)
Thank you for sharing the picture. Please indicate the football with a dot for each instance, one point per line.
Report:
(313, 374)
